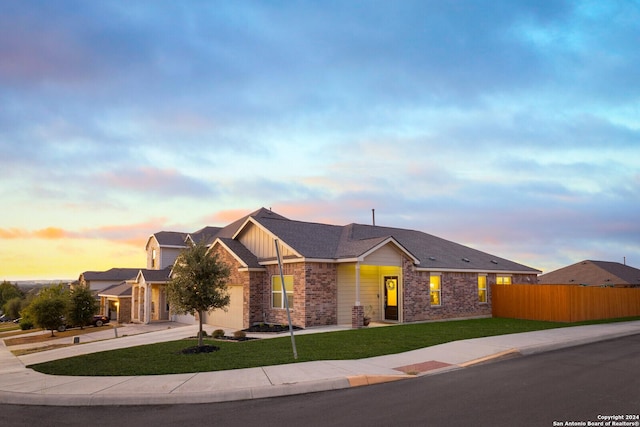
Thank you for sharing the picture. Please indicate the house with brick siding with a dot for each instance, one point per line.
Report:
(333, 274)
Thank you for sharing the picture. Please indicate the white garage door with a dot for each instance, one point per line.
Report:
(232, 318)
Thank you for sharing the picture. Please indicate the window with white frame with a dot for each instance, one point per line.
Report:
(482, 288)
(435, 289)
(503, 280)
(277, 301)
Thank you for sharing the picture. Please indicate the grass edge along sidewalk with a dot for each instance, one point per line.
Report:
(166, 357)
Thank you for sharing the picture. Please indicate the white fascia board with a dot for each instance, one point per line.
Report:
(233, 254)
(474, 270)
(138, 276)
(261, 227)
(173, 246)
(247, 269)
(153, 236)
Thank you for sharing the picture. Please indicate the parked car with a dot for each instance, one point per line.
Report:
(99, 320)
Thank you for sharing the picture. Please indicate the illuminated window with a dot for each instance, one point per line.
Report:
(482, 288)
(276, 291)
(153, 258)
(503, 280)
(435, 289)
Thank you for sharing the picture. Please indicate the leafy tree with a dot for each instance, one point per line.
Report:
(49, 307)
(198, 283)
(82, 306)
(12, 307)
(9, 291)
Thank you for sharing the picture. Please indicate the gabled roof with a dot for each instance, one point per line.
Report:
(204, 234)
(334, 242)
(323, 241)
(593, 273)
(120, 290)
(242, 254)
(154, 275)
(114, 274)
(173, 239)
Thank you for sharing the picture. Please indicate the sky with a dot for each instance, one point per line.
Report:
(509, 126)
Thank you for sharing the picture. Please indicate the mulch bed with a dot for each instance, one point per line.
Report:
(267, 327)
(199, 349)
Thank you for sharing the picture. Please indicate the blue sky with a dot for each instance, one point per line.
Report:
(509, 126)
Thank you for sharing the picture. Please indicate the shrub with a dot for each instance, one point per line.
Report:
(26, 324)
(239, 334)
(218, 333)
(203, 333)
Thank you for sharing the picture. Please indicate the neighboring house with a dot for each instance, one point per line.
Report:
(333, 274)
(149, 296)
(100, 280)
(594, 273)
(115, 302)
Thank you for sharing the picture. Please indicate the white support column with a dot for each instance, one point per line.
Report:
(357, 283)
(147, 303)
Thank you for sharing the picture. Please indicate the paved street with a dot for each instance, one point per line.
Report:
(573, 384)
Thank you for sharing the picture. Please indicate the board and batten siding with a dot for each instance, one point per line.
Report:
(371, 281)
(386, 255)
(261, 243)
(167, 257)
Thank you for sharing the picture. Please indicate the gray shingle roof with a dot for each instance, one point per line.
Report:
(593, 273)
(155, 275)
(312, 240)
(114, 274)
(242, 252)
(170, 238)
(325, 241)
(122, 289)
(204, 234)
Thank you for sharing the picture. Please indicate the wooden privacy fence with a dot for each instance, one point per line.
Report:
(563, 303)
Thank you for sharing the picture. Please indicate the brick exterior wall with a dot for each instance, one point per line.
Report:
(315, 298)
(459, 294)
(125, 310)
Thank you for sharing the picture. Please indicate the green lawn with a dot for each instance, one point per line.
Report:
(165, 358)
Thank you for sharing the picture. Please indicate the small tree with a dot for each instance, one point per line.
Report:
(49, 307)
(198, 283)
(82, 306)
(12, 307)
(9, 291)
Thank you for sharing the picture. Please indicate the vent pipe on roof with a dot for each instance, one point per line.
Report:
(624, 260)
(373, 216)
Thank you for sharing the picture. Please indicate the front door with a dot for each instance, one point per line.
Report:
(391, 297)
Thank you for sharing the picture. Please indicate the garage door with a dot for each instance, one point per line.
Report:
(232, 318)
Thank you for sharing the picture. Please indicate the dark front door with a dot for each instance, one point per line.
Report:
(391, 297)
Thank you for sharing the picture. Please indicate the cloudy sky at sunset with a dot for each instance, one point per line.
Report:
(509, 126)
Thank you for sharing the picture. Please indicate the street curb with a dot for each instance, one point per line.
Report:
(491, 357)
(540, 348)
(364, 380)
(143, 399)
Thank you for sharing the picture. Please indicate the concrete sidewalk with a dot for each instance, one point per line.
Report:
(20, 385)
